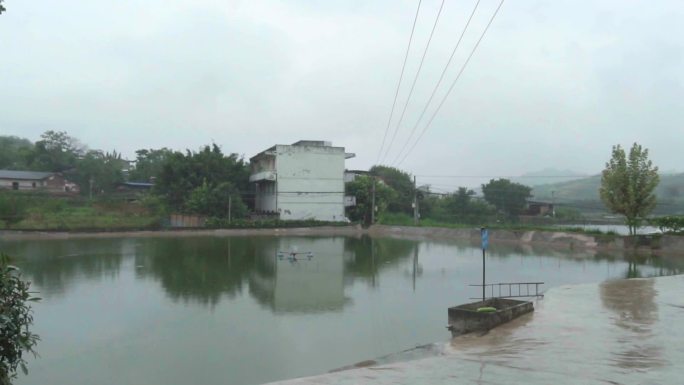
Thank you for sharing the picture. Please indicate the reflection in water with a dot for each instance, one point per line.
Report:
(633, 303)
(302, 285)
(147, 308)
(201, 269)
(367, 256)
(54, 265)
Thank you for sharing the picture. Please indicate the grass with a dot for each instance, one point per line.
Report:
(64, 214)
(400, 219)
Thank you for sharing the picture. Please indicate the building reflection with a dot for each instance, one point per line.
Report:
(289, 279)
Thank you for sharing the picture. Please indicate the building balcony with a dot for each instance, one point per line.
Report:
(269, 175)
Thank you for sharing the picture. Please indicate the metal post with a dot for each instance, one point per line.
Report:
(483, 275)
(415, 264)
(415, 202)
(484, 235)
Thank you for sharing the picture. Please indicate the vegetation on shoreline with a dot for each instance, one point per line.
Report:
(215, 185)
(405, 220)
(16, 319)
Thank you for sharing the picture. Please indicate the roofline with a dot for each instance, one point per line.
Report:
(20, 178)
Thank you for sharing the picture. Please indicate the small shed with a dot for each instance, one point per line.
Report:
(33, 180)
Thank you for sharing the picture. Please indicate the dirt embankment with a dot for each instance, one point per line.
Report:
(301, 231)
(657, 243)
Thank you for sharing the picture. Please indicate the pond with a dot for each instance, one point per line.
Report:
(229, 310)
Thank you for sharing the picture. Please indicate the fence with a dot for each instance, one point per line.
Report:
(508, 290)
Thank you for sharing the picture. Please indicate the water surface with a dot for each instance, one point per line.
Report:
(228, 310)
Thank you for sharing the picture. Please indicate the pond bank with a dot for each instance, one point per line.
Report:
(620, 331)
(656, 244)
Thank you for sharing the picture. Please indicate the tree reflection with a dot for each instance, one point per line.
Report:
(200, 269)
(633, 302)
(54, 265)
(369, 255)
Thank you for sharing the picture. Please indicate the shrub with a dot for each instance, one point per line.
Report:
(16, 317)
(672, 224)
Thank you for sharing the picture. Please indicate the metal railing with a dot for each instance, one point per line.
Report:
(506, 290)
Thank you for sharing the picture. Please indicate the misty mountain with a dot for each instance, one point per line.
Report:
(547, 176)
(584, 193)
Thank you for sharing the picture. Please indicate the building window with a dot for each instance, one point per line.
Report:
(15, 185)
(33, 184)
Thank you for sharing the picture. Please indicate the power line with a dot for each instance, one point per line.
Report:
(465, 64)
(439, 82)
(401, 76)
(415, 80)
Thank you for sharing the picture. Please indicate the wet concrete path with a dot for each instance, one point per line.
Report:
(617, 332)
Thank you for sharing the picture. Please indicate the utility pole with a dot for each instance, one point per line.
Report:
(373, 203)
(415, 264)
(484, 235)
(230, 207)
(90, 193)
(415, 202)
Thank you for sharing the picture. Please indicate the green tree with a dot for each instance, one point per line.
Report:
(401, 182)
(14, 152)
(2, 7)
(508, 197)
(627, 185)
(103, 170)
(56, 152)
(362, 189)
(216, 201)
(182, 173)
(16, 318)
(149, 164)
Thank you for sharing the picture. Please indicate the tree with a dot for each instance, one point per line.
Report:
(217, 201)
(56, 152)
(100, 171)
(182, 173)
(627, 185)
(508, 197)
(16, 317)
(149, 164)
(459, 207)
(13, 152)
(401, 182)
(362, 189)
(2, 7)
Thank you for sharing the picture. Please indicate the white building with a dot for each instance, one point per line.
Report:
(304, 180)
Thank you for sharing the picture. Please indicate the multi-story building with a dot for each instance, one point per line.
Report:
(304, 180)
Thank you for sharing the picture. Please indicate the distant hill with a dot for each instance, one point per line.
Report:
(583, 194)
(547, 176)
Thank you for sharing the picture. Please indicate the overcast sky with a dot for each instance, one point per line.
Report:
(553, 83)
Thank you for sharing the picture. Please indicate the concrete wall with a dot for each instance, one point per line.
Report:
(23, 184)
(465, 318)
(52, 183)
(310, 182)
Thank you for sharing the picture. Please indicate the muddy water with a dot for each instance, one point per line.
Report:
(617, 332)
(217, 310)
